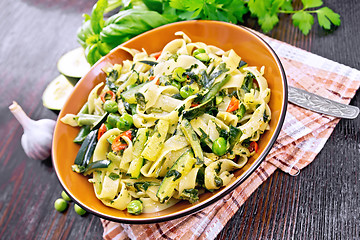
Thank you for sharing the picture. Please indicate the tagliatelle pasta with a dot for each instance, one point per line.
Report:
(170, 128)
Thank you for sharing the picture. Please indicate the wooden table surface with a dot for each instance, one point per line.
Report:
(323, 202)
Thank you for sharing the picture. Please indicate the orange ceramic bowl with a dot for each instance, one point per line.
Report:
(247, 44)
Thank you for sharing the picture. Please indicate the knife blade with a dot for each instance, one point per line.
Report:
(320, 104)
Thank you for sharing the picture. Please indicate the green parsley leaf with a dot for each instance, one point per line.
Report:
(210, 12)
(304, 21)
(187, 5)
(287, 6)
(311, 3)
(326, 16)
(257, 7)
(268, 22)
(266, 11)
(275, 5)
(236, 11)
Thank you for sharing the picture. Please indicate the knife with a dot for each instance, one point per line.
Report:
(320, 104)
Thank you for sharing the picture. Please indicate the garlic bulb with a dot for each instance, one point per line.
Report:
(37, 138)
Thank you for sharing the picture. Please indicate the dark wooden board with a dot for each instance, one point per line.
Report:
(323, 202)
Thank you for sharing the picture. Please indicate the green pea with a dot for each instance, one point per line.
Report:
(65, 196)
(79, 210)
(135, 207)
(110, 106)
(219, 146)
(202, 57)
(60, 205)
(178, 74)
(176, 84)
(186, 91)
(125, 122)
(198, 51)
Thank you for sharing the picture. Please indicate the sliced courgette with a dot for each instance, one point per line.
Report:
(73, 65)
(129, 95)
(56, 93)
(156, 141)
(86, 150)
(139, 145)
(96, 165)
(194, 141)
(181, 168)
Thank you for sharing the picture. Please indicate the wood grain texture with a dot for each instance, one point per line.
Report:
(323, 202)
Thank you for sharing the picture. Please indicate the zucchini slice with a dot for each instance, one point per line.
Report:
(156, 141)
(194, 141)
(181, 168)
(139, 145)
(56, 93)
(73, 65)
(129, 95)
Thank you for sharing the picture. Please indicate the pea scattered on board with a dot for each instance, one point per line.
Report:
(65, 196)
(60, 205)
(79, 210)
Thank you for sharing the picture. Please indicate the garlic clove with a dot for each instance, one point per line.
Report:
(37, 138)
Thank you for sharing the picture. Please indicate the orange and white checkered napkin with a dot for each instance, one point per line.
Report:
(303, 135)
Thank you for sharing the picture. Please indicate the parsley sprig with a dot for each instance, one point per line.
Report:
(266, 11)
(98, 35)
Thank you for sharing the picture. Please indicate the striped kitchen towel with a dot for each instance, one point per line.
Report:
(303, 135)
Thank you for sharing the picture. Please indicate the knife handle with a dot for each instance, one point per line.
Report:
(320, 104)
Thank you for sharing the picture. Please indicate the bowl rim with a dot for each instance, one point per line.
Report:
(216, 197)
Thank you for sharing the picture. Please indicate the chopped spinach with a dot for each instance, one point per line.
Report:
(142, 185)
(191, 194)
(218, 181)
(218, 167)
(110, 79)
(200, 177)
(140, 99)
(248, 82)
(174, 173)
(265, 116)
(114, 176)
(150, 63)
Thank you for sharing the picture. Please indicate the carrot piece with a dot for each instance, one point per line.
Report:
(253, 146)
(233, 105)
